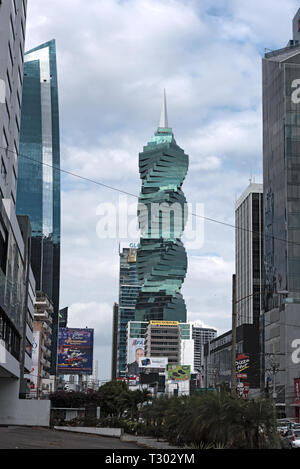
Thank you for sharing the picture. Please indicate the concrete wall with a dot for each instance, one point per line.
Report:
(15, 411)
(112, 432)
(9, 366)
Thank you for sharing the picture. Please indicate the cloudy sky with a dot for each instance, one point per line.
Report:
(115, 57)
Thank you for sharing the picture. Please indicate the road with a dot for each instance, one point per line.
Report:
(41, 438)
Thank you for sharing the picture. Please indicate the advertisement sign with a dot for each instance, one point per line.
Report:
(133, 381)
(164, 323)
(75, 351)
(124, 245)
(297, 391)
(246, 388)
(153, 362)
(35, 364)
(242, 362)
(179, 372)
(136, 347)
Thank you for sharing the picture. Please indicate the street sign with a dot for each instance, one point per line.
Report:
(242, 375)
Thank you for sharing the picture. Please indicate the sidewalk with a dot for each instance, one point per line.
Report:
(147, 442)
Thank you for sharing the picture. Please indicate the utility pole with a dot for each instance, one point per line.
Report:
(233, 342)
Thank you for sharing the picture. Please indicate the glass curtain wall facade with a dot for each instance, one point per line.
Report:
(281, 162)
(281, 75)
(128, 293)
(161, 257)
(249, 257)
(14, 244)
(38, 191)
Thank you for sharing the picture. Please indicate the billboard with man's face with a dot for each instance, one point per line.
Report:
(75, 351)
(136, 347)
(35, 364)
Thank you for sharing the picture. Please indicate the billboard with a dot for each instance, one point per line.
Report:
(136, 350)
(164, 323)
(179, 372)
(35, 364)
(75, 351)
(242, 364)
(297, 391)
(153, 362)
(149, 378)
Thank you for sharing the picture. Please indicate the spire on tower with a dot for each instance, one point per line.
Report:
(164, 114)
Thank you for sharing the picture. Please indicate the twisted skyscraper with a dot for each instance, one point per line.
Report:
(162, 212)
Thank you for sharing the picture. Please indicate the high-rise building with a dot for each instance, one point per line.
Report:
(163, 339)
(217, 360)
(63, 317)
(12, 39)
(38, 190)
(15, 275)
(281, 157)
(40, 377)
(187, 345)
(201, 336)
(114, 348)
(161, 257)
(129, 288)
(249, 259)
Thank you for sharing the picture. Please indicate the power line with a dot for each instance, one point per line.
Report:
(107, 186)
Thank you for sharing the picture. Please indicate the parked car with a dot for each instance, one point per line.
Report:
(292, 438)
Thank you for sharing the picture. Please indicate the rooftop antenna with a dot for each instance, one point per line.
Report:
(164, 113)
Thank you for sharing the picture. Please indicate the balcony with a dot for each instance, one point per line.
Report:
(43, 316)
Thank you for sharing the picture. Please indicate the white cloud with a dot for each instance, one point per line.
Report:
(114, 59)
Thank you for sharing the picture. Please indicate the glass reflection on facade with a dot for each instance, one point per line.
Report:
(38, 191)
(128, 293)
(161, 257)
(281, 117)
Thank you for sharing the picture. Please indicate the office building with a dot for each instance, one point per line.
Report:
(38, 189)
(161, 256)
(63, 317)
(249, 258)
(201, 336)
(129, 288)
(28, 309)
(217, 360)
(281, 157)
(12, 39)
(40, 376)
(163, 339)
(15, 342)
(114, 348)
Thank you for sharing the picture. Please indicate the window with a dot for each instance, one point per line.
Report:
(8, 81)
(3, 170)
(10, 55)
(28, 348)
(3, 247)
(15, 7)
(4, 139)
(12, 29)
